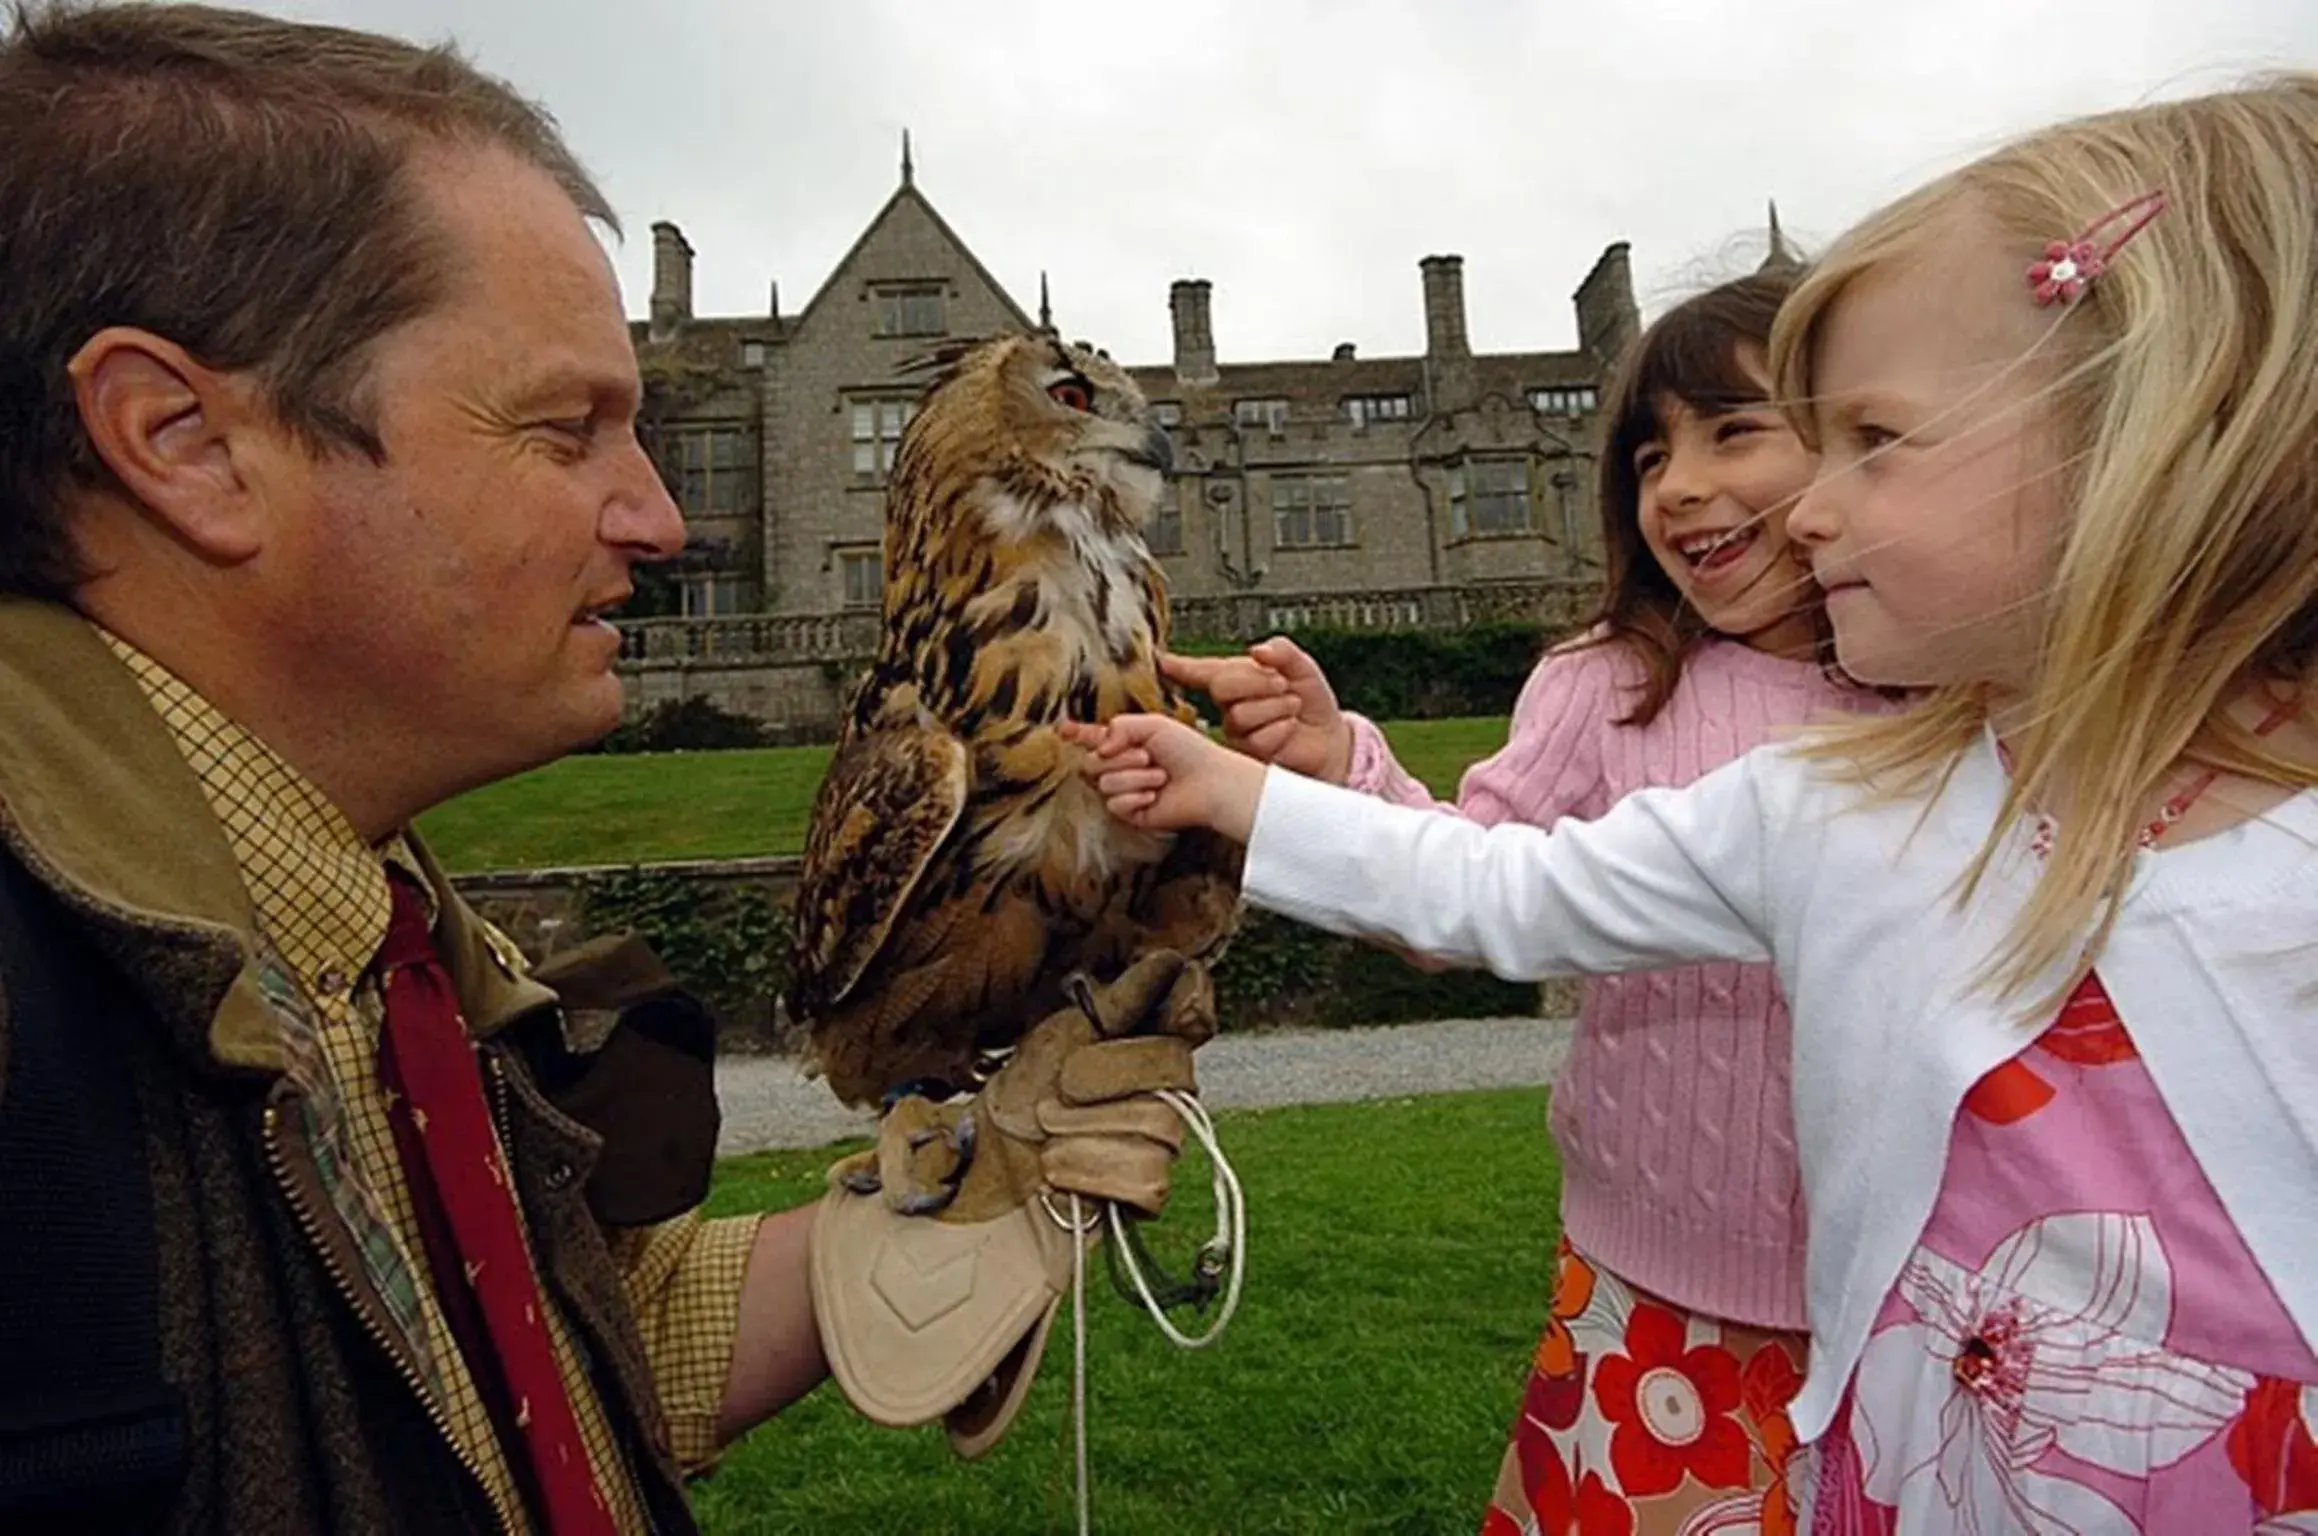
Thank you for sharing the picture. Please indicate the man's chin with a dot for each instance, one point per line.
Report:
(590, 712)
(593, 725)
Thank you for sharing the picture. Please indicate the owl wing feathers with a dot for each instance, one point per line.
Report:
(891, 797)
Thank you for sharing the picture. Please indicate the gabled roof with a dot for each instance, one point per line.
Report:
(908, 192)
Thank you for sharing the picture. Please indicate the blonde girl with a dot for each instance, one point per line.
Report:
(2051, 938)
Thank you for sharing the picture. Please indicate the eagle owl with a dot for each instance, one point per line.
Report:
(958, 868)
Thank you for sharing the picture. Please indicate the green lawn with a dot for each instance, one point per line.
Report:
(633, 809)
(713, 805)
(1439, 751)
(1399, 1271)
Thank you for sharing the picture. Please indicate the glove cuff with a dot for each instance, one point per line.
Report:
(988, 1412)
(917, 1316)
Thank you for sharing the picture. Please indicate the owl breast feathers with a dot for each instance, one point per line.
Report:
(958, 868)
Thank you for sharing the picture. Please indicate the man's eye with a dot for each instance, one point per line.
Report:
(570, 435)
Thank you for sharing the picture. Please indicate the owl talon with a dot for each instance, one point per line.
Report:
(961, 1136)
(926, 1203)
(918, 1189)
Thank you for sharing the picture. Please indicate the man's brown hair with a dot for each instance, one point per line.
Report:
(235, 183)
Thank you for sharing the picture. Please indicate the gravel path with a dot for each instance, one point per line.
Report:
(768, 1102)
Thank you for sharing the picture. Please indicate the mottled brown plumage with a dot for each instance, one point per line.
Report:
(958, 867)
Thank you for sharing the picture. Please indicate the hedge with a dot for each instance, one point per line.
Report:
(1398, 674)
(694, 724)
(730, 947)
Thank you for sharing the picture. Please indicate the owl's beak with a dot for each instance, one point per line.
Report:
(1156, 451)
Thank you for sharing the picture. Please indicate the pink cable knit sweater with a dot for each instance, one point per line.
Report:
(1678, 1150)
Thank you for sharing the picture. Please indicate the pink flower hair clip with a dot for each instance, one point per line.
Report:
(2069, 265)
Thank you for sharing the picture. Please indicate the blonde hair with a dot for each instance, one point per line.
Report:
(2182, 401)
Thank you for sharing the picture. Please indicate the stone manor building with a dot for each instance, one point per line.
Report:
(1366, 492)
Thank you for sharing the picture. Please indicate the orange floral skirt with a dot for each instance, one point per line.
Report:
(1642, 1417)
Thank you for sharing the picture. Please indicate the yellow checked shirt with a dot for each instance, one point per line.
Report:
(321, 895)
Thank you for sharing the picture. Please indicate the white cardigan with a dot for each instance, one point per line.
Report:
(2213, 967)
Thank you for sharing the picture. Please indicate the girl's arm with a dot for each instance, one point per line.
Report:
(1278, 706)
(1549, 767)
(1665, 877)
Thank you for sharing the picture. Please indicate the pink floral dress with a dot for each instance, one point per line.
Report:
(2080, 1341)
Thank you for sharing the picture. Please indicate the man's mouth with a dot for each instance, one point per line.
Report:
(599, 613)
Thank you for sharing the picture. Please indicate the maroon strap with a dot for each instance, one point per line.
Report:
(465, 1206)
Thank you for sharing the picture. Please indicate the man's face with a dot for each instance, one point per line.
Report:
(450, 598)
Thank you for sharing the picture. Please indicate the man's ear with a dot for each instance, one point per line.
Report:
(168, 428)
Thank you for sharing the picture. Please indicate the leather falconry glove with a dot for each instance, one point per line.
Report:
(940, 1256)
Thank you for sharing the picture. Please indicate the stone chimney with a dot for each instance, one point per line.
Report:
(1445, 338)
(671, 280)
(1608, 321)
(1448, 351)
(1194, 336)
(1344, 353)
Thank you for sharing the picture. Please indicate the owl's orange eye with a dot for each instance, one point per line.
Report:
(1074, 394)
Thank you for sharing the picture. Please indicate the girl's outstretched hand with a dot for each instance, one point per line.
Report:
(1163, 775)
(1277, 706)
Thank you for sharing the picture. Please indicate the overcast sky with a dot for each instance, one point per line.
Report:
(1300, 154)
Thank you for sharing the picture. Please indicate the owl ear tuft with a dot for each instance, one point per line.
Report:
(938, 365)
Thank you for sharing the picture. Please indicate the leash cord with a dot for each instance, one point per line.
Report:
(1229, 1245)
(1231, 1230)
(1078, 1377)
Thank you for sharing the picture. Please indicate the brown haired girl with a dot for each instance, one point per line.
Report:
(1677, 1328)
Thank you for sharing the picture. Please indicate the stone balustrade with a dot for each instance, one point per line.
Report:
(777, 639)
(749, 639)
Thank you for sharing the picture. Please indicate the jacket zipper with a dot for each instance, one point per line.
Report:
(499, 1112)
(377, 1331)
